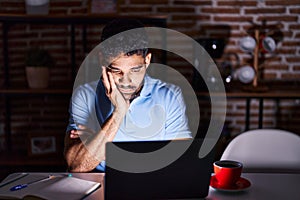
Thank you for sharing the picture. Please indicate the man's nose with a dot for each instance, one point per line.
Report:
(125, 78)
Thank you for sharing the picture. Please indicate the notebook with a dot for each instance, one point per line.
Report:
(187, 176)
(42, 186)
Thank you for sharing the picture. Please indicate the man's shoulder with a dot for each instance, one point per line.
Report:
(162, 86)
(87, 88)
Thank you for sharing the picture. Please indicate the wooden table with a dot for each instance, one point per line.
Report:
(263, 186)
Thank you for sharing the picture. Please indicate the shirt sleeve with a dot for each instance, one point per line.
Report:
(176, 120)
(82, 109)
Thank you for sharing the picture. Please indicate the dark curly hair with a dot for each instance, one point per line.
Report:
(123, 36)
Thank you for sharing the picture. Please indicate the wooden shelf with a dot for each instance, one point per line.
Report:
(271, 94)
(18, 159)
(275, 90)
(11, 162)
(157, 20)
(26, 91)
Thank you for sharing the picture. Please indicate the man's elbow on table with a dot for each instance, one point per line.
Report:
(78, 162)
(77, 157)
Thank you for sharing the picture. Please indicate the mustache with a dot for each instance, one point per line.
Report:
(126, 87)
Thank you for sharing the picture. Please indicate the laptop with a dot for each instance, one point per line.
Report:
(173, 171)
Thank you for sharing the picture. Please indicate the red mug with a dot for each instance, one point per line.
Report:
(267, 44)
(227, 172)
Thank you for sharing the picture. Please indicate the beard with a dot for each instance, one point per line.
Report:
(129, 92)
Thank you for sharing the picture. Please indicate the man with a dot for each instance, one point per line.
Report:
(125, 105)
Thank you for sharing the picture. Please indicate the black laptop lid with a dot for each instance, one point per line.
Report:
(186, 177)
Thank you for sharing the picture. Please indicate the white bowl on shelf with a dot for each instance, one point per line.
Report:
(247, 44)
(246, 74)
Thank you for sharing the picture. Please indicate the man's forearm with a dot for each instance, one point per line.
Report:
(86, 153)
(77, 156)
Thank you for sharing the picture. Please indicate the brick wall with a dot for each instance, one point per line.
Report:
(230, 19)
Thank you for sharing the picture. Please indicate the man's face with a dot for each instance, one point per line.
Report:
(129, 72)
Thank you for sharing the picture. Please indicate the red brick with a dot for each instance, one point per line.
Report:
(287, 34)
(183, 17)
(65, 4)
(79, 11)
(22, 35)
(290, 43)
(235, 114)
(273, 59)
(232, 19)
(216, 27)
(276, 66)
(191, 2)
(237, 3)
(295, 10)
(202, 17)
(294, 27)
(218, 35)
(295, 58)
(268, 26)
(49, 42)
(290, 76)
(13, 12)
(296, 68)
(135, 9)
(282, 3)
(286, 51)
(237, 35)
(220, 10)
(63, 33)
(269, 76)
(262, 11)
(41, 27)
(174, 25)
(176, 9)
(151, 2)
(10, 4)
(191, 33)
(282, 18)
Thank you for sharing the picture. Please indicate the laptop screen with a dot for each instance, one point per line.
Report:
(148, 172)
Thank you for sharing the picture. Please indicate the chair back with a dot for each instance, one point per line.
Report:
(265, 150)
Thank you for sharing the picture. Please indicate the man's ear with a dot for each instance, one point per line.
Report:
(148, 59)
(101, 58)
(104, 61)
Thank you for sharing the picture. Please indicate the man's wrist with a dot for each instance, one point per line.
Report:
(119, 113)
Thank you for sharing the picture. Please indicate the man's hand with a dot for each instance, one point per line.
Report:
(82, 132)
(113, 93)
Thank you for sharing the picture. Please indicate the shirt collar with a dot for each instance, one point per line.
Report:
(147, 88)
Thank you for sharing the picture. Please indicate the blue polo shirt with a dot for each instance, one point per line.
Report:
(158, 113)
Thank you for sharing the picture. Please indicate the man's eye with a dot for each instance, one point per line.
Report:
(115, 71)
(138, 69)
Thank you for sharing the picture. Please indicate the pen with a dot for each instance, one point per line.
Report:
(21, 186)
(19, 176)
